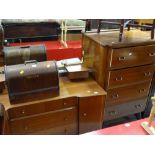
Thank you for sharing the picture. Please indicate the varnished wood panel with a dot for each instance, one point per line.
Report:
(123, 94)
(68, 129)
(130, 107)
(133, 56)
(80, 88)
(90, 113)
(129, 76)
(32, 109)
(51, 120)
(126, 65)
(95, 58)
(109, 38)
(47, 116)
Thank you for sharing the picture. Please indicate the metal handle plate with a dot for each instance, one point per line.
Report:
(147, 73)
(138, 106)
(115, 96)
(152, 54)
(112, 113)
(119, 78)
(142, 90)
(121, 58)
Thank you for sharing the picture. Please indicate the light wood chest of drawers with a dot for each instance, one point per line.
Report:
(77, 110)
(124, 69)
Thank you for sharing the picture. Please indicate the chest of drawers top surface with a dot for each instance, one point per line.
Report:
(68, 89)
(130, 38)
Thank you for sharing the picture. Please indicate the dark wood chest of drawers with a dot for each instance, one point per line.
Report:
(124, 69)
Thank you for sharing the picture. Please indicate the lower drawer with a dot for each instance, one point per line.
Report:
(125, 109)
(69, 129)
(55, 122)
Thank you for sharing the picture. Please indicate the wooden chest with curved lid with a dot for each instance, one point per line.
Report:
(32, 80)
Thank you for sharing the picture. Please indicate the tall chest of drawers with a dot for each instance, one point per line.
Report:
(124, 69)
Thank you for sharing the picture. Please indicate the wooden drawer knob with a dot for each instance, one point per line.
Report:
(121, 58)
(84, 114)
(64, 103)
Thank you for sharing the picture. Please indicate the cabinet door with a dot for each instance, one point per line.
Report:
(90, 113)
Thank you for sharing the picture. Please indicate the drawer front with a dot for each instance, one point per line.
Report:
(49, 121)
(122, 94)
(126, 109)
(130, 76)
(133, 56)
(69, 129)
(41, 107)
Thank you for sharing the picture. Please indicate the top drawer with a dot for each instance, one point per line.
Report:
(132, 56)
(38, 108)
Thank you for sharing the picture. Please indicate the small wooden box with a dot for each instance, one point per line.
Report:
(77, 72)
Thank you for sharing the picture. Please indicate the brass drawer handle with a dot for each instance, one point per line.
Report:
(142, 90)
(115, 96)
(112, 113)
(121, 58)
(119, 78)
(147, 73)
(138, 106)
(152, 54)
